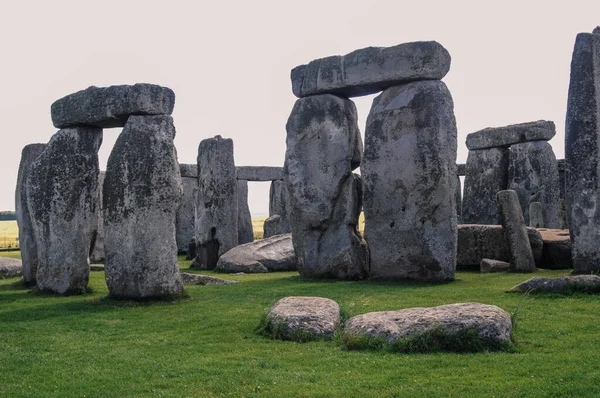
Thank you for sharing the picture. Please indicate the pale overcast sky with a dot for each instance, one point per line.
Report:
(229, 63)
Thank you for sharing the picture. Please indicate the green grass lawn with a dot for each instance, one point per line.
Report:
(206, 344)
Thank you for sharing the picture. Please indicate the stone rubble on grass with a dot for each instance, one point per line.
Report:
(275, 253)
(305, 316)
(10, 267)
(488, 265)
(564, 284)
(197, 279)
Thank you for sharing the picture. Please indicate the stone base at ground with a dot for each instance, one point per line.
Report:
(303, 318)
(10, 267)
(197, 279)
(565, 284)
(271, 254)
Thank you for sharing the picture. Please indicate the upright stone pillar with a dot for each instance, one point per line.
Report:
(486, 174)
(26, 236)
(409, 181)
(533, 175)
(186, 213)
(323, 147)
(245, 231)
(279, 205)
(216, 203)
(97, 251)
(458, 199)
(142, 191)
(582, 153)
(62, 199)
(515, 231)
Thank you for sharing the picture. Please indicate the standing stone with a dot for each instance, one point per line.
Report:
(62, 199)
(142, 191)
(216, 203)
(186, 213)
(26, 236)
(323, 147)
(279, 205)
(409, 181)
(486, 174)
(582, 153)
(533, 175)
(562, 214)
(536, 216)
(521, 256)
(97, 252)
(245, 232)
(458, 199)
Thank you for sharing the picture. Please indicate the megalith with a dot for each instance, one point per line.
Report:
(62, 199)
(26, 236)
(533, 175)
(515, 232)
(142, 191)
(323, 147)
(97, 249)
(409, 182)
(582, 153)
(186, 213)
(216, 203)
(279, 205)
(245, 232)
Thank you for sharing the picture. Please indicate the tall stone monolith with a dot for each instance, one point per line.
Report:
(582, 153)
(245, 232)
(409, 181)
(515, 232)
(97, 249)
(62, 199)
(142, 191)
(27, 243)
(279, 205)
(216, 203)
(323, 147)
(186, 213)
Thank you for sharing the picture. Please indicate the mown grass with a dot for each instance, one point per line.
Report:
(207, 345)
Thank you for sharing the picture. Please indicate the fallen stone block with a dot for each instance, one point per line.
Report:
(275, 253)
(564, 284)
(10, 267)
(197, 279)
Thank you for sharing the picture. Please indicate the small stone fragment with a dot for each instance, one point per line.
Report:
(488, 265)
(304, 318)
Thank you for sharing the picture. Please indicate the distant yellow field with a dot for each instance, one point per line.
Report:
(257, 225)
(9, 232)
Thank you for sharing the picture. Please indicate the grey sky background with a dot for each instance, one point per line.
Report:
(229, 63)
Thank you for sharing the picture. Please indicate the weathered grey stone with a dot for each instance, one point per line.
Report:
(279, 205)
(245, 232)
(489, 321)
(486, 174)
(533, 175)
(142, 191)
(461, 169)
(305, 317)
(557, 249)
(488, 265)
(97, 249)
(562, 214)
(458, 199)
(191, 252)
(271, 254)
(536, 216)
(582, 154)
(217, 202)
(521, 256)
(476, 242)
(409, 178)
(188, 170)
(111, 106)
(259, 173)
(197, 279)
(372, 69)
(563, 284)
(561, 177)
(62, 199)
(186, 213)
(491, 137)
(27, 243)
(10, 267)
(323, 147)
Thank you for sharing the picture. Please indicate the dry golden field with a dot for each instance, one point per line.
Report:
(9, 232)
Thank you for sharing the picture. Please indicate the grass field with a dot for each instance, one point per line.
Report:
(206, 344)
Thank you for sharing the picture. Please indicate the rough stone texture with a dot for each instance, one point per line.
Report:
(10, 267)
(217, 202)
(458, 200)
(488, 265)
(536, 216)
(313, 316)
(461, 169)
(97, 252)
(62, 199)
(372, 69)
(323, 147)
(142, 191)
(245, 232)
(26, 237)
(409, 178)
(279, 205)
(111, 106)
(191, 252)
(533, 175)
(271, 254)
(491, 137)
(562, 214)
(521, 256)
(188, 170)
(491, 322)
(259, 173)
(196, 279)
(561, 177)
(557, 249)
(563, 284)
(186, 213)
(582, 154)
(486, 174)
(476, 242)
